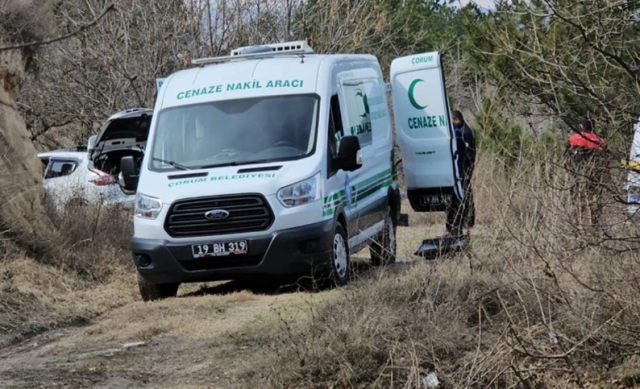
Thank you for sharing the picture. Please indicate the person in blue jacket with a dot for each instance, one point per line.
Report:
(461, 214)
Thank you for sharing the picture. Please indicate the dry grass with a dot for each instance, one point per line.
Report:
(539, 301)
(85, 272)
(94, 241)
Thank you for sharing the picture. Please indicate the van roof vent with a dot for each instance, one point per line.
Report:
(260, 51)
(251, 50)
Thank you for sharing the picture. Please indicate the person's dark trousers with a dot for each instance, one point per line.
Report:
(470, 205)
(461, 213)
(456, 213)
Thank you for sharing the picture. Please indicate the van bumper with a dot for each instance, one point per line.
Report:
(294, 251)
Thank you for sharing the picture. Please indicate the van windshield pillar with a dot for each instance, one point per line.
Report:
(335, 133)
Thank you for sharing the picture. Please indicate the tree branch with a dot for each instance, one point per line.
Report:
(594, 45)
(62, 37)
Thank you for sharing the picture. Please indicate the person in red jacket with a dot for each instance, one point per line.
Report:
(584, 160)
(586, 138)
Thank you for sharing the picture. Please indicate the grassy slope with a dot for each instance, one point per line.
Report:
(87, 272)
(486, 318)
(479, 319)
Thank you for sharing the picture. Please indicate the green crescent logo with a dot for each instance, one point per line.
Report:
(365, 101)
(412, 99)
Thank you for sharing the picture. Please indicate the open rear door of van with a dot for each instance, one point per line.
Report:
(425, 132)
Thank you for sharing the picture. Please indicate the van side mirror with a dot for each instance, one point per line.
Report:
(349, 154)
(129, 173)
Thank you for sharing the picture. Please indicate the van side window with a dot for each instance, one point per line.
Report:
(335, 132)
(356, 95)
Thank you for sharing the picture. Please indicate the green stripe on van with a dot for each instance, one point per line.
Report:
(359, 191)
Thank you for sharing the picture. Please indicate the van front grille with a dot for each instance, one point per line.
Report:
(246, 213)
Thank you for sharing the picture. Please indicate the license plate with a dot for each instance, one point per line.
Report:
(220, 249)
(435, 199)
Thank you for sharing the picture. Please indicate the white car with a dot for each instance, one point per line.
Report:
(88, 176)
(71, 179)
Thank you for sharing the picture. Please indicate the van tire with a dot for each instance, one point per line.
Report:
(384, 246)
(152, 292)
(340, 263)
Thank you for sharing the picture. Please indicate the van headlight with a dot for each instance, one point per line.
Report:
(302, 192)
(147, 207)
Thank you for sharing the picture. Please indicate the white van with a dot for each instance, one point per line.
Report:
(275, 160)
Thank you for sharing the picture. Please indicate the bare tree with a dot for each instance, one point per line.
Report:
(45, 41)
(114, 65)
(110, 67)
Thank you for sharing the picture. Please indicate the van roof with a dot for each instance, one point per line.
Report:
(312, 61)
(280, 65)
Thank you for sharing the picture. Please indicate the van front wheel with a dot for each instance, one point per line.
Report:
(340, 264)
(150, 292)
(383, 247)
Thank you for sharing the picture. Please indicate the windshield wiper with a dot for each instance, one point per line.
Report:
(174, 164)
(236, 163)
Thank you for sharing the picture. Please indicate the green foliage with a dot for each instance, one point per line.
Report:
(509, 141)
(386, 28)
(497, 134)
(422, 25)
(577, 59)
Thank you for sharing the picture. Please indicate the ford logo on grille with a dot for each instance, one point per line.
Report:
(216, 214)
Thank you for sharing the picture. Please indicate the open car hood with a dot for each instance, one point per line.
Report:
(128, 129)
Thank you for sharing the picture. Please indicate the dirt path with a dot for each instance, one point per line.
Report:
(205, 338)
(196, 340)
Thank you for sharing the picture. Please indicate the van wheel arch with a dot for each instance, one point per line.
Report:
(340, 271)
(394, 201)
(342, 220)
(383, 248)
(326, 275)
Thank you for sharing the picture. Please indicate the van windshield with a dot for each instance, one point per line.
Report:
(234, 132)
